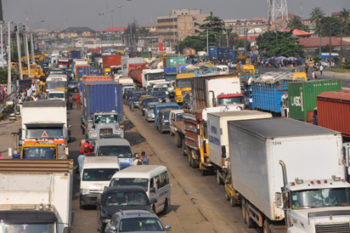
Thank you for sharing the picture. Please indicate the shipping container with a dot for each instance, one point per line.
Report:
(225, 53)
(267, 96)
(302, 96)
(104, 96)
(96, 78)
(175, 61)
(213, 52)
(333, 111)
(189, 51)
(170, 70)
(81, 71)
(111, 60)
(136, 75)
(75, 54)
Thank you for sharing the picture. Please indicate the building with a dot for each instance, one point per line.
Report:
(73, 32)
(247, 27)
(311, 45)
(179, 24)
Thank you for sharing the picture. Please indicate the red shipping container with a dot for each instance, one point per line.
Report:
(161, 46)
(137, 66)
(136, 75)
(97, 78)
(111, 60)
(333, 111)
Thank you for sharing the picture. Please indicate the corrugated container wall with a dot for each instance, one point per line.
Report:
(302, 96)
(175, 61)
(111, 60)
(267, 96)
(333, 111)
(75, 54)
(103, 97)
(213, 51)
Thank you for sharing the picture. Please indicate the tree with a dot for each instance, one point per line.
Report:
(316, 15)
(215, 28)
(279, 44)
(142, 31)
(344, 16)
(295, 23)
(196, 42)
(330, 26)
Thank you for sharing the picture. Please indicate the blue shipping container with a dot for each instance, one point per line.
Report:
(81, 71)
(213, 51)
(75, 54)
(267, 96)
(104, 96)
(170, 70)
(225, 53)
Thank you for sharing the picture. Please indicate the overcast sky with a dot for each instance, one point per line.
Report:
(100, 14)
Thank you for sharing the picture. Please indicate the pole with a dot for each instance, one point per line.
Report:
(227, 42)
(32, 47)
(9, 59)
(19, 53)
(2, 45)
(27, 50)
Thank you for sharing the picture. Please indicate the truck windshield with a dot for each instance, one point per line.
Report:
(110, 118)
(183, 83)
(120, 151)
(45, 133)
(316, 198)
(55, 84)
(99, 174)
(130, 181)
(230, 100)
(154, 76)
(39, 153)
(170, 77)
(27, 228)
(136, 198)
(56, 96)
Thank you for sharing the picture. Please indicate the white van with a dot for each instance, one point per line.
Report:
(155, 180)
(97, 172)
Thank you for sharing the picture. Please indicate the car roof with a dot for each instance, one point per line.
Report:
(124, 188)
(152, 103)
(177, 111)
(141, 171)
(101, 162)
(135, 213)
(113, 142)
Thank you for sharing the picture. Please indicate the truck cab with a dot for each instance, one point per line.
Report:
(183, 86)
(39, 151)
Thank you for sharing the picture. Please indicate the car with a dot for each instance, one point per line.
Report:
(145, 101)
(149, 112)
(135, 221)
(175, 115)
(73, 86)
(119, 198)
(163, 120)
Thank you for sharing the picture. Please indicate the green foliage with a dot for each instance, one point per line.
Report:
(6, 112)
(317, 58)
(142, 31)
(347, 65)
(330, 26)
(215, 28)
(198, 43)
(295, 23)
(316, 15)
(279, 44)
(3, 75)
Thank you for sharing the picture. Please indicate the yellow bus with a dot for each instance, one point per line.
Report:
(183, 86)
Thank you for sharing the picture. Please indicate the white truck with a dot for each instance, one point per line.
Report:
(45, 120)
(36, 196)
(151, 77)
(219, 152)
(290, 176)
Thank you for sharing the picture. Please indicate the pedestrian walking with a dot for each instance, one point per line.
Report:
(144, 158)
(83, 125)
(313, 75)
(321, 69)
(137, 160)
(77, 99)
(70, 102)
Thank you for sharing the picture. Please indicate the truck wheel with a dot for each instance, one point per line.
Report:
(248, 220)
(81, 206)
(244, 210)
(178, 140)
(267, 226)
(218, 177)
(232, 201)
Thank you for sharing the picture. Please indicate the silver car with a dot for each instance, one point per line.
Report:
(135, 221)
(149, 112)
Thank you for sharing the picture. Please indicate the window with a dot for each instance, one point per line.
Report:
(98, 174)
(162, 180)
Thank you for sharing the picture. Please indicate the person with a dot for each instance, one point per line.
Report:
(83, 125)
(137, 160)
(321, 69)
(306, 68)
(77, 99)
(313, 75)
(144, 159)
(70, 102)
(81, 159)
(87, 148)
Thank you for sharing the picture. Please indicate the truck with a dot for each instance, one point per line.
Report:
(102, 96)
(39, 150)
(111, 60)
(45, 121)
(219, 151)
(56, 82)
(151, 77)
(289, 175)
(183, 86)
(36, 195)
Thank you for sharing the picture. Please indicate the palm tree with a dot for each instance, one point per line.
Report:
(316, 16)
(344, 16)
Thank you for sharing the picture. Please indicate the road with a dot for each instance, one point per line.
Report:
(197, 202)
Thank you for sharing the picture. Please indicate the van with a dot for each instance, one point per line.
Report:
(175, 115)
(153, 178)
(96, 174)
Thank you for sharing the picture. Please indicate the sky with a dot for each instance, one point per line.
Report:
(101, 14)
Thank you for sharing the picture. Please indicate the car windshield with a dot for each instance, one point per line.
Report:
(165, 115)
(140, 224)
(110, 118)
(120, 151)
(183, 83)
(148, 100)
(39, 153)
(137, 198)
(143, 182)
(27, 228)
(316, 198)
(104, 174)
(56, 96)
(230, 100)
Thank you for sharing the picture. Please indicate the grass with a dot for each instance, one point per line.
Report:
(338, 70)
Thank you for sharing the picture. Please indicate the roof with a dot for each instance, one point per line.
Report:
(78, 29)
(240, 113)
(335, 96)
(297, 32)
(113, 142)
(135, 213)
(136, 171)
(114, 29)
(315, 42)
(280, 127)
(101, 162)
(44, 103)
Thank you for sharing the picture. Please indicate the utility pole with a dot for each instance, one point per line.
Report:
(2, 44)
(19, 53)
(227, 42)
(27, 50)
(32, 47)
(1, 12)
(9, 58)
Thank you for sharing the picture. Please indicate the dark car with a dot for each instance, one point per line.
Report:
(73, 86)
(119, 198)
(145, 101)
(163, 120)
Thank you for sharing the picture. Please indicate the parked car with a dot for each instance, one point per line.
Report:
(135, 221)
(119, 198)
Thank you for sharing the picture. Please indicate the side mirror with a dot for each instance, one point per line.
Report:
(111, 227)
(167, 227)
(152, 190)
(152, 201)
(69, 126)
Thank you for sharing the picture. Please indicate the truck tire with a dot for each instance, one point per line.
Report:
(267, 226)
(218, 178)
(248, 220)
(178, 140)
(232, 201)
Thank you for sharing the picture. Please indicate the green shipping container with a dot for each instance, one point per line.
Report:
(175, 61)
(302, 96)
(145, 54)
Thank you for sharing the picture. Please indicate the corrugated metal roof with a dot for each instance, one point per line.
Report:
(343, 95)
(239, 113)
(280, 127)
(44, 103)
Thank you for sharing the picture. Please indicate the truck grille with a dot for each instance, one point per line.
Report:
(107, 131)
(333, 228)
